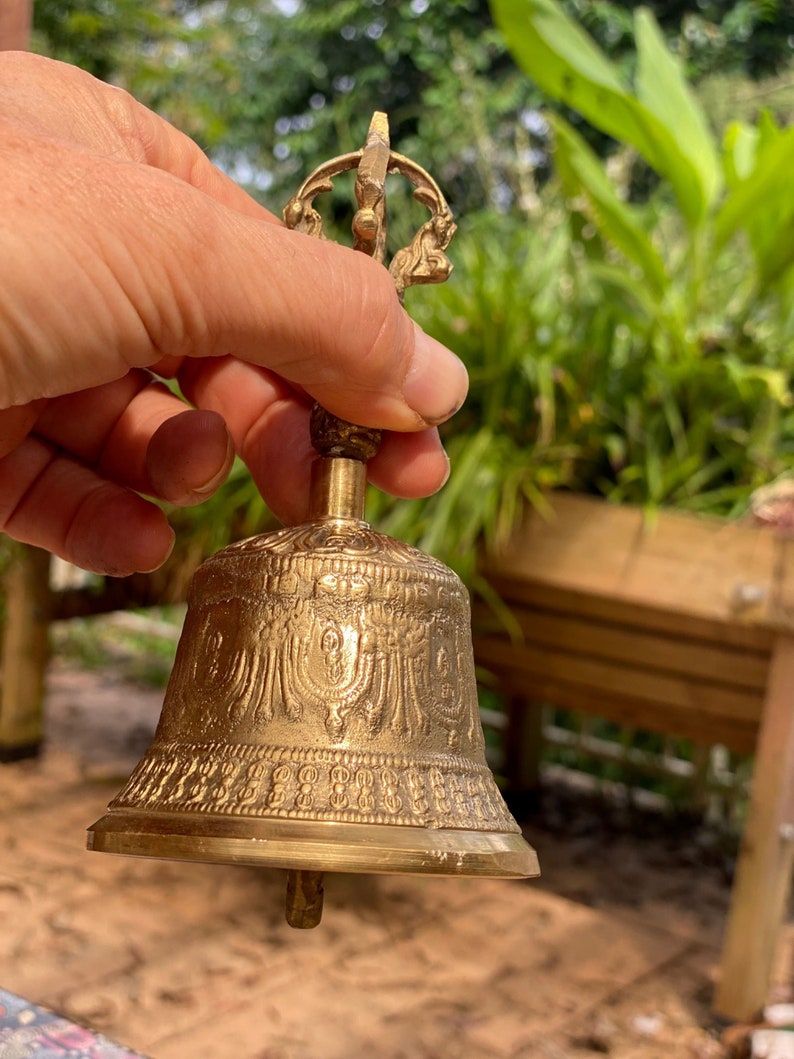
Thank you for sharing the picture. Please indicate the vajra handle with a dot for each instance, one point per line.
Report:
(423, 261)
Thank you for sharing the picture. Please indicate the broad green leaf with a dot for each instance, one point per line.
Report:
(766, 190)
(559, 56)
(740, 146)
(573, 52)
(582, 173)
(763, 205)
(768, 129)
(663, 89)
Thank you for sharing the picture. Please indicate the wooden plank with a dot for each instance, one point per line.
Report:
(703, 567)
(716, 663)
(658, 690)
(523, 744)
(517, 593)
(737, 735)
(763, 870)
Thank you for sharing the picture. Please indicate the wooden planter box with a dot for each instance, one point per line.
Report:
(682, 626)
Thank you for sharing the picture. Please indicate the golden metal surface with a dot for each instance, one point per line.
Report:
(311, 845)
(339, 489)
(322, 712)
(424, 260)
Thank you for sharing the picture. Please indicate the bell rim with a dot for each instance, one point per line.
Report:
(315, 846)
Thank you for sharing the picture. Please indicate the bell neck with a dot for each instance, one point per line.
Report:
(338, 488)
(339, 476)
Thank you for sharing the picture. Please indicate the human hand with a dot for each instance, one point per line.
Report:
(127, 256)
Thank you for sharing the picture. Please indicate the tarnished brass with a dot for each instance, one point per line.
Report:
(304, 898)
(322, 712)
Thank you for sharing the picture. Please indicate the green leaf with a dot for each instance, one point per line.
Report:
(645, 305)
(768, 129)
(469, 459)
(775, 380)
(582, 173)
(740, 146)
(663, 89)
(763, 205)
(559, 56)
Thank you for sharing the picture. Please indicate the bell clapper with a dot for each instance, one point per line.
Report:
(304, 898)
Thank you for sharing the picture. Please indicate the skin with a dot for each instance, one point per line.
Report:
(128, 258)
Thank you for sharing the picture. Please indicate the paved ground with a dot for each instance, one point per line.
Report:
(614, 952)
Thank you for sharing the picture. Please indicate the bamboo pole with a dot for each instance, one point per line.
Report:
(24, 638)
(16, 17)
(25, 653)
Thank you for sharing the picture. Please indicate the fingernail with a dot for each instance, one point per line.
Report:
(208, 488)
(152, 565)
(448, 472)
(437, 381)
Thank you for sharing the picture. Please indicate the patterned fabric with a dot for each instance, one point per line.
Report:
(29, 1031)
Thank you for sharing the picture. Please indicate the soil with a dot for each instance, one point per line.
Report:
(614, 951)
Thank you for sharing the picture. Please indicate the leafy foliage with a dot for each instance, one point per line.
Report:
(643, 352)
(271, 87)
(740, 37)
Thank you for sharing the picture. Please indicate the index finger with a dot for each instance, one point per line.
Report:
(269, 422)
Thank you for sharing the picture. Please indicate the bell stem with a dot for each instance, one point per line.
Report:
(338, 488)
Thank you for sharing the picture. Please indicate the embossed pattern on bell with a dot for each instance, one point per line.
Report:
(322, 711)
(310, 659)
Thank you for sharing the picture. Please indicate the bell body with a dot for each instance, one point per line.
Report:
(322, 715)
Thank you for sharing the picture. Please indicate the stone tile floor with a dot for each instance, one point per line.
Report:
(613, 952)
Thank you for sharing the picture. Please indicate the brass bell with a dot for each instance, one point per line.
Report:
(322, 712)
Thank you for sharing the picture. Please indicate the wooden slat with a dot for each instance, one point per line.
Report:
(658, 690)
(704, 568)
(665, 652)
(515, 592)
(668, 627)
(737, 735)
(763, 871)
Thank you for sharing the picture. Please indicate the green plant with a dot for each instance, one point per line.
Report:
(641, 351)
(514, 313)
(700, 278)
